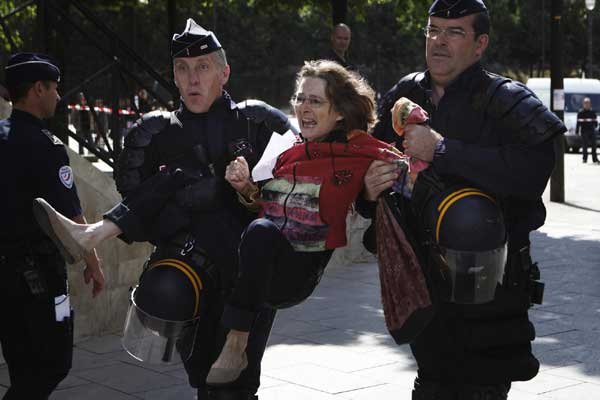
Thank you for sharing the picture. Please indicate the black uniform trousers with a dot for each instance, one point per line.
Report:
(38, 350)
(588, 139)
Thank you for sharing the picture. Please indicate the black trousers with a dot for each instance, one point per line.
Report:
(588, 139)
(38, 350)
(272, 274)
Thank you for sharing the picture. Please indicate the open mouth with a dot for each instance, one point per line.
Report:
(308, 123)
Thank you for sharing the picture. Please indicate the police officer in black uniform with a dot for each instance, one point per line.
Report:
(587, 121)
(37, 328)
(201, 138)
(490, 132)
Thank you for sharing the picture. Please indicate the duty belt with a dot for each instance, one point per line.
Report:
(525, 274)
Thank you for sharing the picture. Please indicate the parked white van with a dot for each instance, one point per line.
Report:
(576, 89)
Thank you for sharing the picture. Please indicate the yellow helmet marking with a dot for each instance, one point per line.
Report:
(189, 272)
(453, 198)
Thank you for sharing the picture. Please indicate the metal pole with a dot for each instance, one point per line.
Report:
(557, 96)
(542, 69)
(590, 47)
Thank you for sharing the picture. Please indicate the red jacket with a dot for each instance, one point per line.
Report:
(315, 184)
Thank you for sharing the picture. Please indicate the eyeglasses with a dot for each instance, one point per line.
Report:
(313, 102)
(433, 32)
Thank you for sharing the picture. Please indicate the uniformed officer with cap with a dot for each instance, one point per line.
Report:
(202, 223)
(490, 133)
(37, 326)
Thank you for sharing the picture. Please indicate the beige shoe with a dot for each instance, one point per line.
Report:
(59, 229)
(221, 376)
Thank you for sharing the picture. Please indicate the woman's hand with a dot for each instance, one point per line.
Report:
(237, 174)
(379, 177)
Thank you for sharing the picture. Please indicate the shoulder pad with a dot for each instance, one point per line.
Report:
(4, 129)
(401, 89)
(259, 112)
(55, 141)
(516, 106)
(150, 124)
(127, 173)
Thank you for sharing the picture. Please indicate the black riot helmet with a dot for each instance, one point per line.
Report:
(468, 239)
(168, 299)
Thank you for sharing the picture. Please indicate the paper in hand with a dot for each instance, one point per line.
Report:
(277, 145)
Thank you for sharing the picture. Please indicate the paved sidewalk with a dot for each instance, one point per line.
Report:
(335, 345)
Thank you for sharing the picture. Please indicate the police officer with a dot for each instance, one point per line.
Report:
(489, 132)
(206, 133)
(587, 122)
(37, 328)
(340, 42)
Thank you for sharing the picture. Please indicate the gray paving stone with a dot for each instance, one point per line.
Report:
(102, 345)
(399, 374)
(128, 378)
(584, 391)
(544, 383)
(293, 327)
(84, 359)
(92, 391)
(322, 379)
(382, 392)
(358, 342)
(296, 392)
(584, 372)
(178, 392)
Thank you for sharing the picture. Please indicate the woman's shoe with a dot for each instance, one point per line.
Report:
(59, 229)
(221, 376)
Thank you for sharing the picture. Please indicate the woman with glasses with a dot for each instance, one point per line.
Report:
(304, 207)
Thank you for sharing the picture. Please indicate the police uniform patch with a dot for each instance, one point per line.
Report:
(65, 174)
(52, 138)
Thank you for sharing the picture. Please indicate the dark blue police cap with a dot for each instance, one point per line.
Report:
(30, 67)
(451, 9)
(193, 41)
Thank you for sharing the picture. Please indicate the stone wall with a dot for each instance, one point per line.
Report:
(354, 251)
(122, 263)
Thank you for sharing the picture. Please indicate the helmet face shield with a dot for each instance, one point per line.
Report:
(474, 274)
(151, 339)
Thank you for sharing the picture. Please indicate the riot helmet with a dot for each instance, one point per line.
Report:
(467, 244)
(167, 301)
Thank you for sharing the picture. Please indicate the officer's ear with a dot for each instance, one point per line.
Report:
(38, 88)
(482, 42)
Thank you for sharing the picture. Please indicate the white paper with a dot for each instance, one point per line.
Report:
(62, 307)
(277, 145)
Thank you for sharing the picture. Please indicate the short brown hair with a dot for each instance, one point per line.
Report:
(349, 93)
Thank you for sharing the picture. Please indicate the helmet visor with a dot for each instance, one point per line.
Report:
(474, 274)
(150, 339)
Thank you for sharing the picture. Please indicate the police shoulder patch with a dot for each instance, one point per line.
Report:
(52, 138)
(65, 174)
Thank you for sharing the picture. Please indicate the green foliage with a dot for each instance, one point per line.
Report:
(267, 40)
